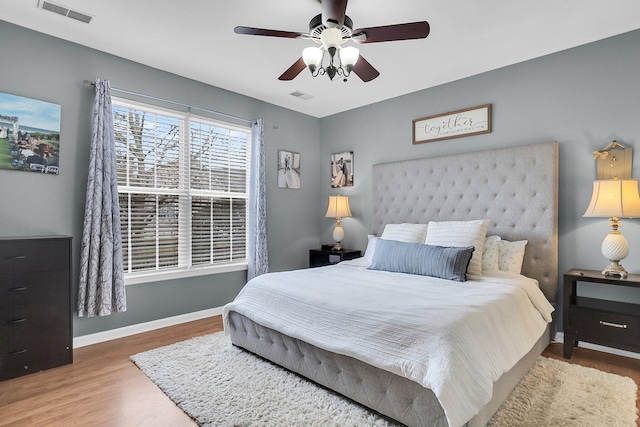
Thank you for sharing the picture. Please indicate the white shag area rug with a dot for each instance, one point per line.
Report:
(220, 385)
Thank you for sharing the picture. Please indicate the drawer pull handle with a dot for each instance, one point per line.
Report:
(20, 288)
(20, 257)
(14, 353)
(614, 325)
(11, 322)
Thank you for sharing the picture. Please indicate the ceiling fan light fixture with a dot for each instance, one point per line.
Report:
(312, 57)
(349, 56)
(330, 30)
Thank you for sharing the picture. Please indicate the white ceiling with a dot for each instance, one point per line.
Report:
(195, 39)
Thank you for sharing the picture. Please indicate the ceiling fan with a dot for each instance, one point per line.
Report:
(330, 30)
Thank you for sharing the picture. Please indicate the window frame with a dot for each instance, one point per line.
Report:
(185, 195)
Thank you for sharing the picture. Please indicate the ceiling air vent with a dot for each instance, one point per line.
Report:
(65, 11)
(301, 95)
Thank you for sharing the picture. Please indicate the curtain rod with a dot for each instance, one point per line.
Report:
(190, 107)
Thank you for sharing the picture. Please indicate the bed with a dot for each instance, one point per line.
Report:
(515, 189)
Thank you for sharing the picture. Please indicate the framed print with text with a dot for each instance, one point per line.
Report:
(454, 124)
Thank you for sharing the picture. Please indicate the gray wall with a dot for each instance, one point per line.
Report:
(49, 69)
(584, 98)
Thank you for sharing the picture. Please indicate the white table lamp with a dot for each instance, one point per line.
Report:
(614, 199)
(338, 208)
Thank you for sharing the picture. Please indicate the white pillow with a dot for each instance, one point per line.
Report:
(490, 254)
(371, 247)
(460, 233)
(405, 232)
(511, 255)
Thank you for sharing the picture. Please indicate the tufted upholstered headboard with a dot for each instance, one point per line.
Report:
(516, 188)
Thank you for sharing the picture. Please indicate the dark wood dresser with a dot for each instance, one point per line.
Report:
(35, 305)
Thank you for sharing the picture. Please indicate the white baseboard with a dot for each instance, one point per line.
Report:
(112, 334)
(560, 338)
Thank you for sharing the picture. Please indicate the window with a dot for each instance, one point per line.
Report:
(183, 192)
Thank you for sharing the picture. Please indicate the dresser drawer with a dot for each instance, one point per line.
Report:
(28, 334)
(39, 318)
(18, 335)
(15, 364)
(27, 361)
(34, 255)
(33, 287)
(27, 347)
(606, 328)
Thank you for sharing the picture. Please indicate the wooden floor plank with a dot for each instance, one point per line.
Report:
(104, 388)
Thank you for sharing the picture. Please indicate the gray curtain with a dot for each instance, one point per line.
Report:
(101, 289)
(258, 257)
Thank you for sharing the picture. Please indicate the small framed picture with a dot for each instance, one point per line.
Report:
(288, 169)
(342, 169)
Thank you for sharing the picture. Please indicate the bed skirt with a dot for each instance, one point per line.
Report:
(389, 394)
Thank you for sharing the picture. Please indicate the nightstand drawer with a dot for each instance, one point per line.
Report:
(605, 327)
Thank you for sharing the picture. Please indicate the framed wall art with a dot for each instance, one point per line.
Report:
(454, 124)
(29, 134)
(288, 169)
(342, 169)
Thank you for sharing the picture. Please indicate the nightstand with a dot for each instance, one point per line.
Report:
(326, 256)
(609, 323)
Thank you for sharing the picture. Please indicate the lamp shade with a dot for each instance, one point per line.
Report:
(312, 56)
(338, 207)
(349, 56)
(614, 198)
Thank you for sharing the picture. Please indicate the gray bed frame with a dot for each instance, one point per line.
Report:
(516, 188)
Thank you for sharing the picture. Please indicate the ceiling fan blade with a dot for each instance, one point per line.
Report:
(270, 33)
(333, 12)
(293, 71)
(387, 33)
(364, 70)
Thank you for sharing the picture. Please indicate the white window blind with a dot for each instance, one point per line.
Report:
(183, 192)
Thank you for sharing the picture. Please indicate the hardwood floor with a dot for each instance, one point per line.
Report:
(101, 388)
(104, 388)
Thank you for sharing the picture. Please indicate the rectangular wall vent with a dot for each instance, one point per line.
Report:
(65, 11)
(301, 95)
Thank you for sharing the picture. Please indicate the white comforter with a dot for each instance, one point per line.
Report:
(455, 338)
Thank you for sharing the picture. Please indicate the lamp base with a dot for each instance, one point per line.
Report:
(615, 248)
(338, 235)
(615, 269)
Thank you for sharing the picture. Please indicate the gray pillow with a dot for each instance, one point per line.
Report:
(426, 260)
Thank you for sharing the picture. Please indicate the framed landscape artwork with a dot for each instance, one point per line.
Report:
(288, 169)
(342, 169)
(29, 134)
